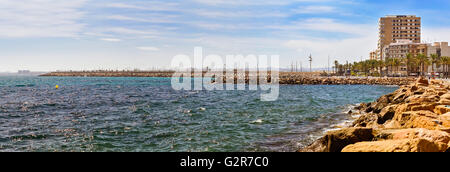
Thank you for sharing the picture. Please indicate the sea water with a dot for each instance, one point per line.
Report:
(146, 114)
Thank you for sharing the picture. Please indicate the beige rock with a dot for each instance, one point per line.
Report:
(422, 82)
(446, 96)
(418, 119)
(444, 102)
(405, 145)
(436, 82)
(442, 109)
(413, 107)
(335, 141)
(440, 138)
(403, 108)
(422, 98)
(427, 107)
(366, 120)
(392, 124)
(386, 114)
(445, 120)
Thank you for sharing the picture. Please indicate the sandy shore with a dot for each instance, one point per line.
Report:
(414, 118)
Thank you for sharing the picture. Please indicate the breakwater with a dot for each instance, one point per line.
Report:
(285, 78)
(414, 118)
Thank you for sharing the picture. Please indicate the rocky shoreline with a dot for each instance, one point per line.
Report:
(285, 78)
(414, 118)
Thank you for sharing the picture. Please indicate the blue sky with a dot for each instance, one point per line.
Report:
(46, 35)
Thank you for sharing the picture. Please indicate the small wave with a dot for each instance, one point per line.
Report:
(24, 85)
(258, 121)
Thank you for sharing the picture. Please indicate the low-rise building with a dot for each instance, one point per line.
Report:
(441, 49)
(400, 50)
(374, 55)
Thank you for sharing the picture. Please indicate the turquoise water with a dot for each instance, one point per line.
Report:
(146, 114)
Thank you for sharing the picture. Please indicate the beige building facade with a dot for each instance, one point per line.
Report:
(441, 49)
(400, 50)
(373, 55)
(393, 29)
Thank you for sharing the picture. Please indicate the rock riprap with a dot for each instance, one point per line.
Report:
(414, 118)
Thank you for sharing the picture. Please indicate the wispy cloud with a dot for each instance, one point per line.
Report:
(111, 39)
(148, 48)
(315, 9)
(149, 6)
(45, 18)
(254, 2)
(128, 31)
(329, 25)
(104, 29)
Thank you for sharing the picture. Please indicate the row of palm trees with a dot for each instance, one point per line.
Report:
(417, 64)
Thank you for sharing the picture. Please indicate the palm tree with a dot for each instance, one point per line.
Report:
(423, 60)
(434, 58)
(336, 65)
(408, 61)
(387, 63)
(381, 64)
(445, 61)
(396, 63)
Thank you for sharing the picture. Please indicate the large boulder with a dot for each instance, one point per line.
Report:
(382, 102)
(418, 119)
(446, 96)
(335, 141)
(414, 107)
(440, 138)
(386, 114)
(442, 109)
(445, 121)
(399, 98)
(422, 99)
(366, 120)
(444, 102)
(404, 145)
(422, 82)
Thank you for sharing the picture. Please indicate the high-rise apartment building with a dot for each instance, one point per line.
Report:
(395, 28)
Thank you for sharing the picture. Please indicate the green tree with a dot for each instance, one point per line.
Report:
(423, 60)
(336, 66)
(445, 61)
(434, 59)
(396, 63)
(388, 63)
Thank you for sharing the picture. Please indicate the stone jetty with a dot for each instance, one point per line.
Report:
(285, 78)
(414, 118)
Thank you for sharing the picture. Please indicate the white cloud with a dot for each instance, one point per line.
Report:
(111, 39)
(253, 2)
(329, 25)
(237, 14)
(148, 48)
(148, 6)
(40, 18)
(360, 40)
(315, 10)
(154, 18)
(351, 49)
(127, 31)
(435, 34)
